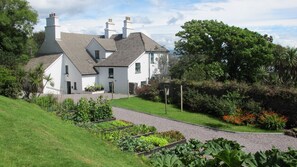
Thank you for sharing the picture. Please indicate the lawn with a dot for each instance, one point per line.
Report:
(155, 108)
(30, 136)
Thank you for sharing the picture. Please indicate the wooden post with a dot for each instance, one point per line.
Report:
(112, 91)
(181, 98)
(165, 92)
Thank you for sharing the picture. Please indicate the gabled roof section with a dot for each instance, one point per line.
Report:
(46, 60)
(74, 46)
(129, 49)
(107, 44)
(151, 45)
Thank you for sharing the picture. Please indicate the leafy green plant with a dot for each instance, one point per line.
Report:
(95, 87)
(233, 158)
(165, 161)
(214, 146)
(66, 109)
(47, 102)
(155, 140)
(134, 144)
(275, 157)
(272, 121)
(100, 109)
(82, 112)
(171, 136)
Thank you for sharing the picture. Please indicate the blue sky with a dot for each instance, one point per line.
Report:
(162, 19)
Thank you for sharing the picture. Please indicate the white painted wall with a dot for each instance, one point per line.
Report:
(54, 70)
(144, 74)
(73, 76)
(120, 79)
(89, 80)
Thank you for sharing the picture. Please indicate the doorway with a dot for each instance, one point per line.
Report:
(68, 87)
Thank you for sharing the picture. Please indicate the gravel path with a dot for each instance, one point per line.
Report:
(252, 141)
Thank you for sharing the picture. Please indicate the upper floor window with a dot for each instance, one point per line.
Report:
(97, 54)
(137, 68)
(66, 69)
(152, 56)
(110, 73)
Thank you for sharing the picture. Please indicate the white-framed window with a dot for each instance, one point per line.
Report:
(110, 73)
(74, 85)
(137, 68)
(97, 54)
(152, 57)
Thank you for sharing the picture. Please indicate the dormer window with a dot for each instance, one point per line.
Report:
(97, 54)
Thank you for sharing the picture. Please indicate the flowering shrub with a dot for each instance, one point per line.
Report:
(95, 87)
(240, 118)
(271, 120)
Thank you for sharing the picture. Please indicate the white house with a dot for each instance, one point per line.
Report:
(76, 61)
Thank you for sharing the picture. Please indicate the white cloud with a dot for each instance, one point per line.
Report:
(162, 22)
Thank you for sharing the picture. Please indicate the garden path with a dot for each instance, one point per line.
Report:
(253, 142)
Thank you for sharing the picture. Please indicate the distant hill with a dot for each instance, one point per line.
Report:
(30, 136)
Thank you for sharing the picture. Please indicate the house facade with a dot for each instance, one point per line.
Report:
(76, 61)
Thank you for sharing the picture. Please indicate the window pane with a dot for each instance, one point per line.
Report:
(137, 68)
(97, 54)
(110, 73)
(152, 58)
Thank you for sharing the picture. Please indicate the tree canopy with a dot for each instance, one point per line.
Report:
(240, 52)
(17, 19)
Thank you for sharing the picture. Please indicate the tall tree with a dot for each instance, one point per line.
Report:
(239, 51)
(17, 19)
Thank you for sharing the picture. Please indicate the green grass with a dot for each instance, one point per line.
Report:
(30, 136)
(154, 108)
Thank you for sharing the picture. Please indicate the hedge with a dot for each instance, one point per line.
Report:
(280, 100)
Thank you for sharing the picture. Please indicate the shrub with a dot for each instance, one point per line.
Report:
(251, 106)
(100, 109)
(240, 118)
(272, 121)
(66, 109)
(47, 102)
(95, 87)
(149, 92)
(82, 112)
(9, 86)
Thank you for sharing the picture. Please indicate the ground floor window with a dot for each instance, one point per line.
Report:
(74, 85)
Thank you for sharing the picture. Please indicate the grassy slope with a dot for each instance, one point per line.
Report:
(145, 106)
(30, 136)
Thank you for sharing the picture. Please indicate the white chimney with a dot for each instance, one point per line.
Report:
(127, 29)
(109, 30)
(52, 28)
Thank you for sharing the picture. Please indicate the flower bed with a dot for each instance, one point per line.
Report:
(136, 130)
(98, 128)
(145, 145)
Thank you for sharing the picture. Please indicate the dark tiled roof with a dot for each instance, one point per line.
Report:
(107, 44)
(129, 49)
(74, 46)
(46, 60)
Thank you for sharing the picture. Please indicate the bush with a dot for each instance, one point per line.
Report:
(95, 87)
(100, 109)
(149, 92)
(272, 121)
(83, 110)
(66, 109)
(240, 118)
(47, 102)
(9, 86)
